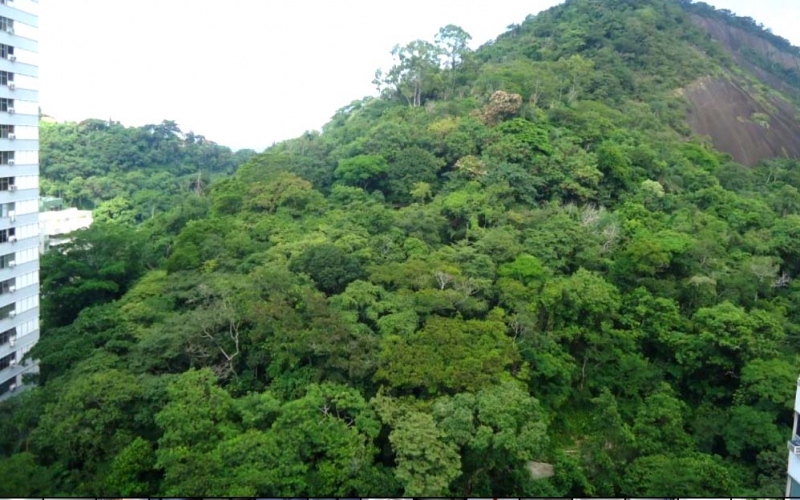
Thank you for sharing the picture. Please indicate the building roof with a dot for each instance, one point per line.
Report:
(47, 203)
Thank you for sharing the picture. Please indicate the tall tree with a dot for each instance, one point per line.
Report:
(416, 75)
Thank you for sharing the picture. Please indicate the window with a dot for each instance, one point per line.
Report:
(6, 77)
(6, 386)
(5, 234)
(797, 424)
(5, 361)
(5, 130)
(6, 311)
(6, 24)
(5, 260)
(6, 50)
(7, 335)
(7, 286)
(6, 182)
(6, 104)
(5, 156)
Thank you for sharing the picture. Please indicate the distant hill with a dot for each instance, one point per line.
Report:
(128, 173)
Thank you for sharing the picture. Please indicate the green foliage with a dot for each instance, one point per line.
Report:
(364, 171)
(410, 168)
(82, 428)
(131, 468)
(98, 265)
(329, 266)
(25, 476)
(426, 461)
(498, 430)
(660, 475)
(97, 327)
(447, 355)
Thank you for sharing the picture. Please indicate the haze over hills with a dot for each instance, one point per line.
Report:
(518, 272)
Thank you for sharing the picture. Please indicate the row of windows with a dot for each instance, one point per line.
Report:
(6, 210)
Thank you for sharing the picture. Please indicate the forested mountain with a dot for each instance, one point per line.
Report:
(514, 256)
(128, 174)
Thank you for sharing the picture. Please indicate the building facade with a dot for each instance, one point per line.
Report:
(793, 481)
(19, 190)
(56, 222)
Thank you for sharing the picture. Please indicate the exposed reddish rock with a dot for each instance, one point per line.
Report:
(732, 114)
(735, 39)
(724, 110)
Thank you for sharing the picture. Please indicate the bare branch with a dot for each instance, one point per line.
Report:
(590, 215)
(782, 281)
(443, 279)
(610, 233)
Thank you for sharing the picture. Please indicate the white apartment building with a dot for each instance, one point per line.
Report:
(19, 190)
(793, 481)
(57, 222)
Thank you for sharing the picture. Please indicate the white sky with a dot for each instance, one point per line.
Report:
(247, 73)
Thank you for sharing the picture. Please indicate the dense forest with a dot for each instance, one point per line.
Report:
(514, 256)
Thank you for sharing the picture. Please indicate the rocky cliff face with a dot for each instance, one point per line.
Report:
(737, 41)
(739, 123)
(749, 121)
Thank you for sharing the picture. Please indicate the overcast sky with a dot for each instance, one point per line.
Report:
(246, 73)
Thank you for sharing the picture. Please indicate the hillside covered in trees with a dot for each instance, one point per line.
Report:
(519, 255)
